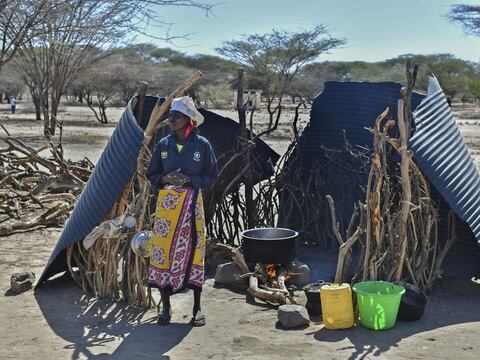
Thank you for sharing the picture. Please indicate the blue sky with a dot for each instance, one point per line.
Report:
(374, 29)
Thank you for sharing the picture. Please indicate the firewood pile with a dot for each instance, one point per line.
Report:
(396, 225)
(37, 189)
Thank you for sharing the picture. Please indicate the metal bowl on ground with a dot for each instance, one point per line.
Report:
(269, 245)
(413, 302)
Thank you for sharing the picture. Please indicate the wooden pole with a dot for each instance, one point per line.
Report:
(404, 126)
(411, 72)
(242, 119)
(142, 90)
(243, 142)
(407, 191)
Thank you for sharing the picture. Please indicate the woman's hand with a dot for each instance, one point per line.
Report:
(171, 180)
(184, 178)
(176, 178)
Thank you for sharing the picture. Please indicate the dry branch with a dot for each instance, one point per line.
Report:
(37, 191)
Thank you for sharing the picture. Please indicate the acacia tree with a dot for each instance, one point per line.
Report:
(468, 16)
(274, 59)
(111, 80)
(71, 39)
(100, 84)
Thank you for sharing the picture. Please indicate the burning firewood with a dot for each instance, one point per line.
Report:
(277, 298)
(273, 290)
(266, 282)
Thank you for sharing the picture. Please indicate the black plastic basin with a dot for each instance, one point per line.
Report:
(413, 302)
(269, 245)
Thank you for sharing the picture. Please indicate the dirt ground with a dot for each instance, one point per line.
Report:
(59, 321)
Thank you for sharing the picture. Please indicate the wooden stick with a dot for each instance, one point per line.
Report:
(335, 225)
(281, 285)
(407, 191)
(138, 110)
(342, 252)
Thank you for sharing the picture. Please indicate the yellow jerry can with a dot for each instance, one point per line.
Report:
(337, 306)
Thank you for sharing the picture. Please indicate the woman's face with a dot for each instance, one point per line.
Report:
(177, 120)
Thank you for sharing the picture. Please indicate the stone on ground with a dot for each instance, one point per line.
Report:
(20, 282)
(229, 274)
(292, 316)
(302, 272)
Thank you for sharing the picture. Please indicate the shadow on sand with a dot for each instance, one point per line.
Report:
(90, 324)
(452, 302)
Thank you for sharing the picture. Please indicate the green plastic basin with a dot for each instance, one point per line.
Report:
(378, 303)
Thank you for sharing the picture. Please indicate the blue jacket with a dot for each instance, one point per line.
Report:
(196, 160)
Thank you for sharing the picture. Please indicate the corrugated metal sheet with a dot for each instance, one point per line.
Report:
(443, 156)
(350, 106)
(463, 258)
(112, 172)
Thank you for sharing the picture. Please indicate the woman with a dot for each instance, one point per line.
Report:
(182, 164)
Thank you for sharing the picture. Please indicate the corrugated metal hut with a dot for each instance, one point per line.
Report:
(118, 164)
(343, 111)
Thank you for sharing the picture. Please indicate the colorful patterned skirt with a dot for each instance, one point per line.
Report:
(178, 247)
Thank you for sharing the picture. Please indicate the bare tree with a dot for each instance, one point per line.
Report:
(468, 16)
(100, 84)
(19, 23)
(112, 80)
(70, 40)
(76, 34)
(274, 59)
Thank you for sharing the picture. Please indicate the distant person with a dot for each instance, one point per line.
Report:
(13, 104)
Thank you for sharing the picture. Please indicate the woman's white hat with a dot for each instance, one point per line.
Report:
(186, 106)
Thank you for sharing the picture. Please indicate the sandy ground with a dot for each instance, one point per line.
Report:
(59, 321)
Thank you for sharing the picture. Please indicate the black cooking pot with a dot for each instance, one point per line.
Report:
(314, 303)
(312, 291)
(269, 245)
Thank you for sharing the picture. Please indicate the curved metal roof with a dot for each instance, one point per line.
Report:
(110, 176)
(118, 164)
(442, 154)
